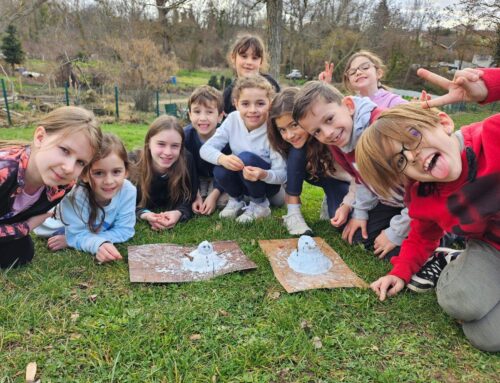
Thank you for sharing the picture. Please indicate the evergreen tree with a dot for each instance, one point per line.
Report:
(11, 47)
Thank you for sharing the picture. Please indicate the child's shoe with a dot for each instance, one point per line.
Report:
(232, 209)
(296, 225)
(254, 211)
(323, 213)
(426, 279)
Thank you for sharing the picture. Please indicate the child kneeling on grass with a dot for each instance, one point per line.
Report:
(165, 175)
(456, 187)
(100, 210)
(254, 169)
(205, 112)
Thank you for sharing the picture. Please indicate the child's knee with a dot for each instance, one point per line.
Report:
(252, 159)
(483, 334)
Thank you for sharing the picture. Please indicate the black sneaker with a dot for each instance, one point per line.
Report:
(426, 279)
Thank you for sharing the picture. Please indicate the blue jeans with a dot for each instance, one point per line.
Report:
(335, 190)
(236, 186)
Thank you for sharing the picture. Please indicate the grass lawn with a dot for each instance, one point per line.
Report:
(87, 323)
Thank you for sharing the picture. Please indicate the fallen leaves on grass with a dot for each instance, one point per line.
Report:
(74, 316)
(93, 298)
(195, 337)
(317, 343)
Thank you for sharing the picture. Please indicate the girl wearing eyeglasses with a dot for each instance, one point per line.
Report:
(455, 187)
(362, 75)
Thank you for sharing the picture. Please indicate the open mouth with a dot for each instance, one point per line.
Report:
(431, 161)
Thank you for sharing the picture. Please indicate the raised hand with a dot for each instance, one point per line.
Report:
(466, 85)
(327, 74)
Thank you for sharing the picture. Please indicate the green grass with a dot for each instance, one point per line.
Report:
(141, 332)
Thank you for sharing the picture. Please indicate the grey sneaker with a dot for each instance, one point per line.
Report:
(426, 278)
(232, 209)
(323, 213)
(254, 211)
(296, 225)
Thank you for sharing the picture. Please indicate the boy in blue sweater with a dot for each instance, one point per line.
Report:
(205, 112)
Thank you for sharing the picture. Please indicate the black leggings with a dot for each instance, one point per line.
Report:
(17, 252)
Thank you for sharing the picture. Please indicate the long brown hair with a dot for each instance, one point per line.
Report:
(178, 175)
(318, 157)
(111, 144)
(67, 120)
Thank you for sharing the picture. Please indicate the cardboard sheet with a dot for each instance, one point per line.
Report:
(339, 275)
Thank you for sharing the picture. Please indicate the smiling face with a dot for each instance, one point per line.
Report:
(436, 159)
(246, 63)
(253, 106)
(57, 159)
(165, 148)
(290, 131)
(204, 118)
(106, 177)
(363, 76)
(330, 123)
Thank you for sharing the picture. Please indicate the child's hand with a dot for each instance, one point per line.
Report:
(231, 162)
(170, 218)
(57, 242)
(387, 286)
(382, 245)
(467, 85)
(352, 226)
(210, 203)
(341, 215)
(197, 204)
(37, 220)
(253, 173)
(107, 252)
(327, 74)
(155, 220)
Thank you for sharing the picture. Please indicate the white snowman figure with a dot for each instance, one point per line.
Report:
(308, 258)
(204, 259)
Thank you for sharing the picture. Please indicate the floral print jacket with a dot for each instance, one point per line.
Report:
(13, 164)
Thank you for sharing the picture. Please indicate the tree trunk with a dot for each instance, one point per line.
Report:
(274, 24)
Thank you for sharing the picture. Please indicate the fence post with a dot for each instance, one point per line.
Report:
(66, 93)
(6, 102)
(157, 104)
(116, 103)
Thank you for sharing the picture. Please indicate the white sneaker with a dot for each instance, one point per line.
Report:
(323, 213)
(296, 225)
(254, 211)
(232, 209)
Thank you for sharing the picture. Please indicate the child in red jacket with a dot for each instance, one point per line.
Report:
(454, 185)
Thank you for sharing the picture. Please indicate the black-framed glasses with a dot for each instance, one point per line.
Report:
(399, 159)
(362, 68)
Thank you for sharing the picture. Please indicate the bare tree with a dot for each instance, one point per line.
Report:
(274, 26)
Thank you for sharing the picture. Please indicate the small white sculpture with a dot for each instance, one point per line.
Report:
(308, 258)
(203, 260)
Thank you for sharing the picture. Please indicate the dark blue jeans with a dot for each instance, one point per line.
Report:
(335, 190)
(236, 186)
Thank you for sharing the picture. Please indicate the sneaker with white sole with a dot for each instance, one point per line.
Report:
(232, 209)
(296, 225)
(254, 211)
(426, 278)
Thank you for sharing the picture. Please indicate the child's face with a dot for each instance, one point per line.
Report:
(59, 159)
(107, 176)
(205, 118)
(330, 123)
(434, 157)
(253, 105)
(363, 75)
(290, 131)
(165, 149)
(247, 63)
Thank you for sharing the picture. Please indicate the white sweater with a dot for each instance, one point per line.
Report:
(234, 132)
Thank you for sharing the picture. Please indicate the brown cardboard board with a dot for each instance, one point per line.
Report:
(162, 263)
(340, 275)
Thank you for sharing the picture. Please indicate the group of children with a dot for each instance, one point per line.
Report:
(395, 176)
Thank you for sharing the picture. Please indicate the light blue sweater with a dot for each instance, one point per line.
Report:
(118, 225)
